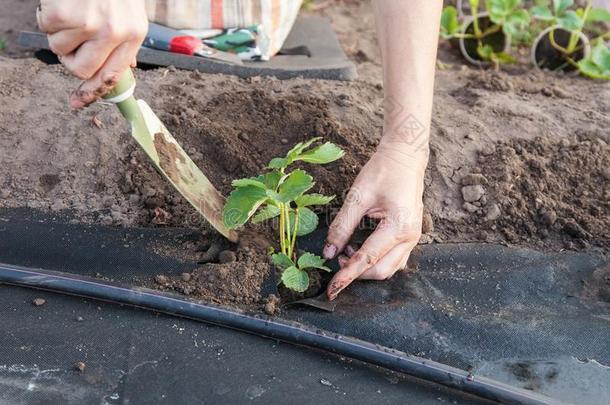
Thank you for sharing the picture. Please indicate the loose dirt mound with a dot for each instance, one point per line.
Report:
(542, 192)
(236, 134)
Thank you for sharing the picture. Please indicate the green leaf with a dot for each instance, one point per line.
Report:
(601, 56)
(299, 148)
(597, 66)
(499, 10)
(295, 279)
(270, 211)
(281, 260)
(560, 6)
(598, 15)
(311, 261)
(449, 22)
(542, 13)
(503, 57)
(485, 51)
(295, 184)
(241, 205)
(325, 153)
(278, 163)
(308, 221)
(270, 180)
(516, 22)
(313, 199)
(570, 21)
(248, 182)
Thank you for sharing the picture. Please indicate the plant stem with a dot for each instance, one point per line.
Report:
(491, 30)
(282, 235)
(574, 37)
(555, 45)
(475, 22)
(287, 228)
(294, 233)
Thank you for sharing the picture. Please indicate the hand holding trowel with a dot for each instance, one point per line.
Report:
(168, 156)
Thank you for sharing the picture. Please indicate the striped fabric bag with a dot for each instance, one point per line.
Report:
(275, 16)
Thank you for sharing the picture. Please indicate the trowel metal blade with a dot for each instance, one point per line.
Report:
(177, 167)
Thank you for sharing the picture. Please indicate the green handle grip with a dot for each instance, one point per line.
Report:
(125, 84)
(122, 96)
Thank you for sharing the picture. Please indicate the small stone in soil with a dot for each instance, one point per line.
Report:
(472, 193)
(474, 179)
(561, 93)
(161, 279)
(227, 256)
(39, 301)
(468, 207)
(79, 319)
(80, 366)
(549, 217)
(493, 212)
(575, 230)
(272, 306)
(325, 382)
(106, 220)
(427, 223)
(186, 277)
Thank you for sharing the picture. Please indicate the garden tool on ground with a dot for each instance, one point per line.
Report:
(168, 156)
(171, 40)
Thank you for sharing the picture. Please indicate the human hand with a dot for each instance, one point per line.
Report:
(389, 188)
(96, 40)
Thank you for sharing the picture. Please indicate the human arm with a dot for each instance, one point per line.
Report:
(389, 187)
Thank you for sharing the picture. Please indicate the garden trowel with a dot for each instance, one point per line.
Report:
(168, 156)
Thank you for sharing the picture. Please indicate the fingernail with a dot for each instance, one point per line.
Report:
(76, 102)
(334, 289)
(329, 251)
(349, 250)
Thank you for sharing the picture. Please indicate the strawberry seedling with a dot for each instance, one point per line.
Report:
(490, 36)
(283, 194)
(563, 18)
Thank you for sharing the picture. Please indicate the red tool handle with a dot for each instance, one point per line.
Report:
(185, 44)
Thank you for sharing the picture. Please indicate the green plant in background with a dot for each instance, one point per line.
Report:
(563, 16)
(507, 16)
(282, 194)
(2, 44)
(597, 66)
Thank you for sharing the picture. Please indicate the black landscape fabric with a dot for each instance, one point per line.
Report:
(514, 315)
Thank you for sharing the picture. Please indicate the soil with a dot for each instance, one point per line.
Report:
(539, 141)
(597, 287)
(544, 191)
